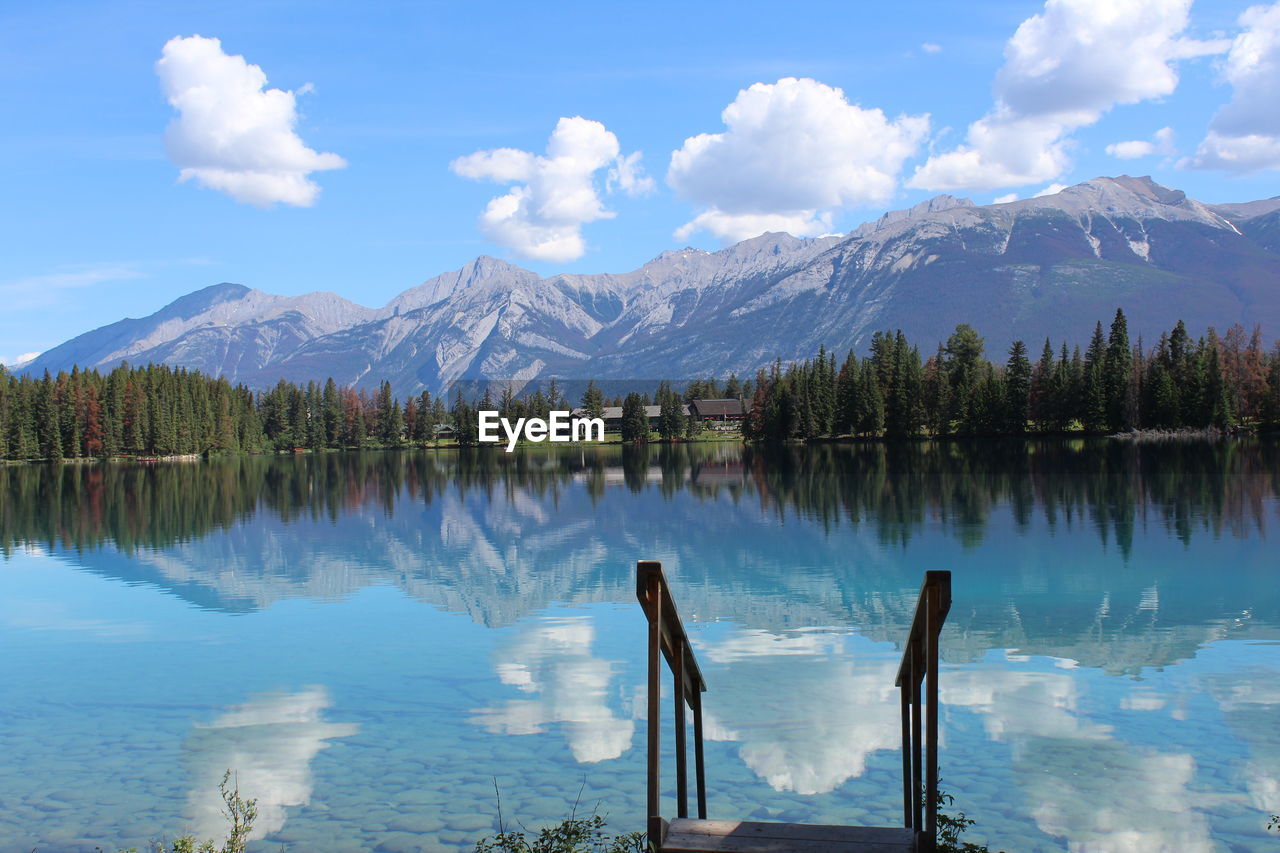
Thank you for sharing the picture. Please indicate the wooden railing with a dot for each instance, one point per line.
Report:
(919, 667)
(920, 749)
(666, 635)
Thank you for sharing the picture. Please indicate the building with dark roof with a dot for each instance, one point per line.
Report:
(725, 409)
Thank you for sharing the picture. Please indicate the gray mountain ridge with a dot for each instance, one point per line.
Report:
(1029, 269)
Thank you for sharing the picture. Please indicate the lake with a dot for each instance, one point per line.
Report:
(375, 642)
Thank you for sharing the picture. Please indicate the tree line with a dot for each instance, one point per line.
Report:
(1215, 381)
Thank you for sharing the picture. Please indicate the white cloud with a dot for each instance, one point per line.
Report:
(930, 47)
(1064, 68)
(1131, 149)
(792, 152)
(1005, 199)
(733, 228)
(1052, 189)
(19, 360)
(555, 195)
(626, 174)
(231, 135)
(1161, 143)
(1245, 134)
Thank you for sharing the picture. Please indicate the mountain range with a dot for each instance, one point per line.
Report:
(1042, 267)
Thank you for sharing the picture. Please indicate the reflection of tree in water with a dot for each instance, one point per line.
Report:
(1110, 485)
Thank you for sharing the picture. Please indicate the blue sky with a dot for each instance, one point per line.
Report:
(372, 166)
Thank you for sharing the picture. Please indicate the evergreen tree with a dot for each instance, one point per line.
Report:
(592, 401)
(846, 413)
(48, 433)
(670, 415)
(390, 418)
(1017, 389)
(465, 421)
(1094, 415)
(334, 420)
(635, 424)
(964, 355)
(871, 419)
(1116, 375)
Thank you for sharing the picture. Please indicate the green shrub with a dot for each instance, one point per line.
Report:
(571, 835)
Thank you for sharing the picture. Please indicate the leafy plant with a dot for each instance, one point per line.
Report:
(572, 835)
(239, 811)
(950, 828)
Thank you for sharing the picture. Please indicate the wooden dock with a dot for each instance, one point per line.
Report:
(919, 669)
(722, 836)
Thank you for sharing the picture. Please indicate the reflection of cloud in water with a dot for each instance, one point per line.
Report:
(1250, 703)
(806, 714)
(1107, 797)
(1101, 795)
(552, 659)
(1016, 704)
(267, 743)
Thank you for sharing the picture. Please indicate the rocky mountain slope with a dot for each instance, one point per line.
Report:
(1030, 269)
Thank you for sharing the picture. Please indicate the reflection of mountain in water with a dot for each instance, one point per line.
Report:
(769, 539)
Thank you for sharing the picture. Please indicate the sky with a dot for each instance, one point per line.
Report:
(150, 149)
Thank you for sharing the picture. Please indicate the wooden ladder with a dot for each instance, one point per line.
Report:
(919, 668)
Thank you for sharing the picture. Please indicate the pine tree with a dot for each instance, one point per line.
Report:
(1117, 367)
(1017, 389)
(48, 433)
(964, 355)
(635, 424)
(670, 415)
(592, 401)
(465, 421)
(871, 420)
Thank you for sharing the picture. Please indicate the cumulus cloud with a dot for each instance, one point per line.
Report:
(792, 153)
(1160, 143)
(1052, 189)
(1005, 199)
(1064, 68)
(555, 194)
(1245, 134)
(231, 134)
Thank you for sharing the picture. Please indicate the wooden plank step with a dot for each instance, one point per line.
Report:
(686, 835)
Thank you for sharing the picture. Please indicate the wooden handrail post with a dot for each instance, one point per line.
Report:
(907, 810)
(654, 593)
(918, 681)
(667, 639)
(917, 760)
(682, 772)
(933, 626)
(698, 766)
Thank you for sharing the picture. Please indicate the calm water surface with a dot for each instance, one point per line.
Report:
(373, 641)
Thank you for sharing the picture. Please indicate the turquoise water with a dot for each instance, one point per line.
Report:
(374, 642)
